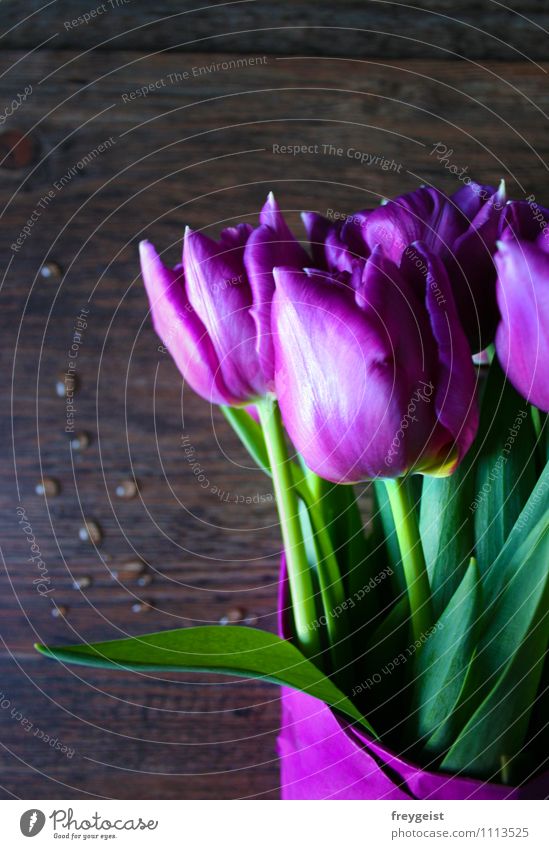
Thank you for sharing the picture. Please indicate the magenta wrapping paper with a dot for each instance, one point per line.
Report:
(323, 757)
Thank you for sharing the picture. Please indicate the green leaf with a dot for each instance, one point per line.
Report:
(534, 513)
(442, 664)
(389, 638)
(447, 531)
(496, 732)
(250, 434)
(515, 594)
(504, 453)
(508, 615)
(230, 650)
(385, 517)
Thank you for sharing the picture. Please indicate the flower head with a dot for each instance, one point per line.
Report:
(522, 261)
(373, 371)
(213, 311)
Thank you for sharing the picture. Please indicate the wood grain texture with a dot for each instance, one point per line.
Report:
(479, 29)
(195, 150)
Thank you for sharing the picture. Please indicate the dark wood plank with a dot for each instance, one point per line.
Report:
(67, 733)
(478, 29)
(196, 150)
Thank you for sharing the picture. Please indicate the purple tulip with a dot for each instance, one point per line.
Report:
(522, 339)
(461, 230)
(373, 371)
(213, 312)
(339, 245)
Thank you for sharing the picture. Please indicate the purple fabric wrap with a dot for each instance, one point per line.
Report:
(323, 757)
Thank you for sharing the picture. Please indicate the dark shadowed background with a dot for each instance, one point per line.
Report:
(120, 120)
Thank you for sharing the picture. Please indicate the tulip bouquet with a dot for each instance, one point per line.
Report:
(400, 363)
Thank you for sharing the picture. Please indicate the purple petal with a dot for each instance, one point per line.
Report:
(424, 215)
(522, 339)
(471, 198)
(523, 220)
(317, 228)
(346, 376)
(455, 399)
(180, 328)
(473, 274)
(218, 290)
(271, 244)
(235, 238)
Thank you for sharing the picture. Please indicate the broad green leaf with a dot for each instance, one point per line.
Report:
(449, 730)
(250, 434)
(508, 617)
(504, 454)
(535, 511)
(447, 531)
(389, 638)
(230, 650)
(386, 670)
(443, 661)
(497, 730)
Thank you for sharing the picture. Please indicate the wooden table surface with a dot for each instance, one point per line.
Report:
(88, 169)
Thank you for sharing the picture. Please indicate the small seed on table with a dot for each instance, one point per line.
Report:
(82, 583)
(145, 580)
(131, 569)
(80, 441)
(66, 384)
(233, 615)
(141, 607)
(50, 269)
(48, 486)
(90, 532)
(127, 489)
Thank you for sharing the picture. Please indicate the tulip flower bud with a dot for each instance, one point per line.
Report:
(213, 312)
(522, 339)
(461, 229)
(373, 371)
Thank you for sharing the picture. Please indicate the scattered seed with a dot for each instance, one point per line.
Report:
(233, 615)
(80, 441)
(127, 489)
(145, 580)
(50, 269)
(90, 532)
(66, 384)
(82, 583)
(142, 606)
(131, 569)
(48, 486)
(59, 610)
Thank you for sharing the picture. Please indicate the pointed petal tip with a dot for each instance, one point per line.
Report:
(269, 208)
(148, 254)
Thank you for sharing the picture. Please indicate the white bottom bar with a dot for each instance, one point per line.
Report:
(272, 825)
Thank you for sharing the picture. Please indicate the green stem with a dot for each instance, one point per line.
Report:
(536, 419)
(411, 551)
(299, 573)
(332, 590)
